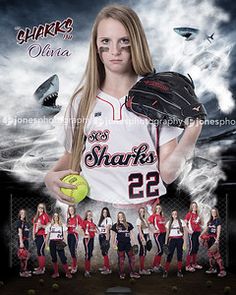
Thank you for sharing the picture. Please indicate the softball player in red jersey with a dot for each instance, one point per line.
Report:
(158, 221)
(73, 224)
(22, 227)
(176, 236)
(110, 145)
(104, 226)
(143, 237)
(40, 221)
(193, 221)
(122, 238)
(90, 229)
(213, 230)
(56, 233)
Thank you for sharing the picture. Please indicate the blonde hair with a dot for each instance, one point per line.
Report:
(191, 206)
(144, 223)
(37, 213)
(124, 220)
(94, 74)
(59, 218)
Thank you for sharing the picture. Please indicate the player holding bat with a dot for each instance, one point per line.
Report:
(122, 155)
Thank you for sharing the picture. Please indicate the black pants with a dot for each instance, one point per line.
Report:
(160, 241)
(88, 247)
(178, 244)
(54, 252)
(40, 245)
(102, 237)
(193, 242)
(143, 248)
(72, 241)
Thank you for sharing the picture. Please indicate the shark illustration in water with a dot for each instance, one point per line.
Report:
(191, 33)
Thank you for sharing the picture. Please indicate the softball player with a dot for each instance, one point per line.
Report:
(40, 221)
(111, 145)
(90, 230)
(73, 224)
(213, 231)
(56, 233)
(104, 227)
(122, 237)
(158, 221)
(22, 227)
(193, 222)
(176, 239)
(143, 237)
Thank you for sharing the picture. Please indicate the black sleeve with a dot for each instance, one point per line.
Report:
(114, 228)
(18, 225)
(130, 226)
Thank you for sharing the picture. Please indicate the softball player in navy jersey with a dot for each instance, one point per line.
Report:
(158, 221)
(213, 231)
(104, 227)
(22, 227)
(90, 229)
(40, 221)
(176, 239)
(56, 233)
(143, 237)
(117, 152)
(193, 221)
(74, 222)
(122, 238)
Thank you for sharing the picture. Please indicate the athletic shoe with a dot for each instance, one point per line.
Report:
(196, 266)
(144, 272)
(122, 276)
(190, 268)
(106, 272)
(87, 274)
(25, 275)
(157, 269)
(39, 271)
(180, 274)
(134, 275)
(73, 270)
(211, 271)
(102, 268)
(38, 268)
(68, 275)
(165, 274)
(222, 274)
(55, 275)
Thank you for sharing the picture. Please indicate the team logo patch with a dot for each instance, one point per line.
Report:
(98, 114)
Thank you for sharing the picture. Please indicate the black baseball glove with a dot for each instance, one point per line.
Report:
(165, 98)
(135, 249)
(166, 249)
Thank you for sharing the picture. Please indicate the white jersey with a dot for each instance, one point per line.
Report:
(106, 222)
(55, 231)
(120, 158)
(175, 230)
(144, 228)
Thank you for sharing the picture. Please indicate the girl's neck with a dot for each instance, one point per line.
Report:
(118, 85)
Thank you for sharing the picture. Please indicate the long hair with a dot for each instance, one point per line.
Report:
(86, 214)
(191, 207)
(102, 217)
(211, 217)
(124, 220)
(144, 223)
(37, 213)
(179, 221)
(94, 74)
(155, 210)
(59, 219)
(68, 211)
(19, 214)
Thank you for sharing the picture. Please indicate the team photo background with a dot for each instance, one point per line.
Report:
(32, 134)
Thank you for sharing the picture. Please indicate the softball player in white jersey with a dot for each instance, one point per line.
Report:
(123, 162)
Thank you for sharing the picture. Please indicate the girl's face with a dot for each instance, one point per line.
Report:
(142, 212)
(104, 213)
(174, 214)
(194, 207)
(89, 215)
(22, 214)
(213, 213)
(113, 45)
(158, 209)
(120, 217)
(40, 208)
(56, 217)
(71, 211)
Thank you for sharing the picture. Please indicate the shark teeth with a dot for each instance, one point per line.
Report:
(49, 100)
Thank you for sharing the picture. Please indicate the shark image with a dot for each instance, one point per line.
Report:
(191, 33)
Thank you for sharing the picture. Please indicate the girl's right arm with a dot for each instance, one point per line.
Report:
(53, 179)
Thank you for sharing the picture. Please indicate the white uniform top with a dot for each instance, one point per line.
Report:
(102, 228)
(120, 159)
(175, 229)
(144, 229)
(55, 231)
